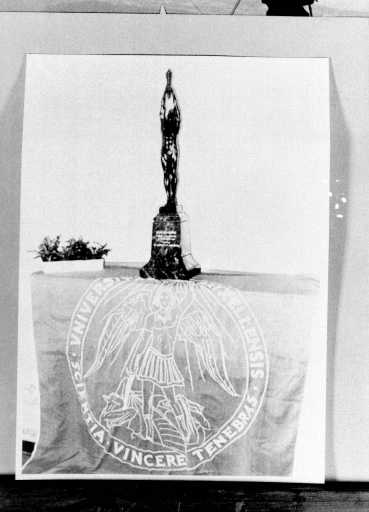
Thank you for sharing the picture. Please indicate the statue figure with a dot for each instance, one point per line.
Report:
(171, 256)
(170, 121)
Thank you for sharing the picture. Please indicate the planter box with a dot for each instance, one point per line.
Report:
(65, 266)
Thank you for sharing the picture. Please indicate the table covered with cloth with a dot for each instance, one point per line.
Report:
(145, 377)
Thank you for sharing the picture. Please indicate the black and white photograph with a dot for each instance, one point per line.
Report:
(195, 7)
(183, 255)
(173, 268)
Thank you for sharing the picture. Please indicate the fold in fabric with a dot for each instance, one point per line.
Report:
(151, 378)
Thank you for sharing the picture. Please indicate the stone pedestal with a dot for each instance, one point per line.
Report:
(167, 261)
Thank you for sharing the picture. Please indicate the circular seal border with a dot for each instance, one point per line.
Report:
(232, 430)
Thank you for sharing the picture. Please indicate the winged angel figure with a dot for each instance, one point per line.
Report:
(150, 398)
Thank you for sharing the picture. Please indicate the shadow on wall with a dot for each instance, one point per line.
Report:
(127, 6)
(225, 7)
(339, 176)
(146, 6)
(11, 122)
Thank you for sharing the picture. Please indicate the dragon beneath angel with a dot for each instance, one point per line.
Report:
(154, 328)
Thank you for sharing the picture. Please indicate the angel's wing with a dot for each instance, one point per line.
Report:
(205, 336)
(119, 324)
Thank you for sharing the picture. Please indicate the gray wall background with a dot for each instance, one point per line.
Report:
(241, 7)
(345, 42)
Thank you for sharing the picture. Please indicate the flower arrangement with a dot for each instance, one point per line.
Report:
(51, 249)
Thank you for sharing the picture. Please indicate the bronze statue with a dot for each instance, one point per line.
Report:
(171, 256)
(170, 120)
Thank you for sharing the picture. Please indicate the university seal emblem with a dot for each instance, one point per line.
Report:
(168, 374)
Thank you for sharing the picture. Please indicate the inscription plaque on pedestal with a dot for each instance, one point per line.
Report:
(171, 256)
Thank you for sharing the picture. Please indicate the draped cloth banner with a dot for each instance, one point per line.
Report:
(168, 378)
